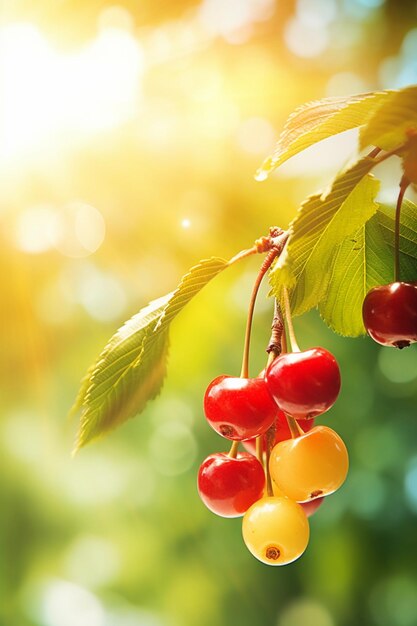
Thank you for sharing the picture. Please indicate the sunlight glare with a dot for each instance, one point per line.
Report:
(62, 97)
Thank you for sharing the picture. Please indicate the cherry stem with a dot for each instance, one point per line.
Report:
(373, 153)
(294, 427)
(269, 438)
(233, 450)
(403, 186)
(383, 157)
(259, 451)
(291, 333)
(275, 344)
(274, 251)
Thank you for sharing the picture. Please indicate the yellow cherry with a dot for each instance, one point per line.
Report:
(276, 530)
(310, 466)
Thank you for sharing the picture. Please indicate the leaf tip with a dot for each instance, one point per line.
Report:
(261, 174)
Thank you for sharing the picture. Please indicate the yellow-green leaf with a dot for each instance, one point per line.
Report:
(319, 120)
(131, 368)
(388, 124)
(321, 224)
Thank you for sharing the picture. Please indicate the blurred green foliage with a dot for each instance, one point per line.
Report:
(117, 535)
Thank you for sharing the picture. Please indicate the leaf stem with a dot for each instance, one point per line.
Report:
(242, 255)
(288, 317)
(387, 155)
(373, 153)
(403, 186)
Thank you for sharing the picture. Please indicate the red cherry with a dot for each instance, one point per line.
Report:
(239, 408)
(229, 486)
(390, 314)
(311, 507)
(304, 384)
(282, 432)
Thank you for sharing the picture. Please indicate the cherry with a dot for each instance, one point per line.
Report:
(304, 384)
(228, 486)
(311, 507)
(276, 530)
(239, 408)
(390, 314)
(310, 466)
(282, 432)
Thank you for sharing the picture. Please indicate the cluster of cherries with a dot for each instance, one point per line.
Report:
(296, 463)
(291, 464)
(304, 462)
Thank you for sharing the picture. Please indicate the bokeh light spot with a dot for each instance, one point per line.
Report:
(172, 448)
(67, 604)
(345, 83)
(232, 19)
(116, 16)
(317, 12)
(81, 230)
(303, 40)
(37, 229)
(101, 294)
(367, 493)
(92, 561)
(393, 601)
(305, 611)
(410, 484)
(398, 366)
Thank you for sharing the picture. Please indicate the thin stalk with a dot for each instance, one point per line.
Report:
(295, 429)
(373, 153)
(270, 440)
(277, 330)
(259, 450)
(269, 488)
(291, 333)
(242, 255)
(389, 154)
(233, 450)
(403, 186)
(272, 254)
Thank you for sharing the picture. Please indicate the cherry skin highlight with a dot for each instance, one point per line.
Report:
(239, 408)
(390, 314)
(310, 466)
(229, 486)
(304, 384)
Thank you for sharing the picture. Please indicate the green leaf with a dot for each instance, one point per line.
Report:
(321, 224)
(131, 368)
(388, 125)
(319, 120)
(408, 236)
(365, 260)
(361, 262)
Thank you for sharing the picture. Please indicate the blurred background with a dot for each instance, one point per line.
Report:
(129, 137)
